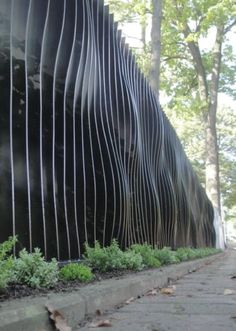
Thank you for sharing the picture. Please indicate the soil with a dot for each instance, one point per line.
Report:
(14, 291)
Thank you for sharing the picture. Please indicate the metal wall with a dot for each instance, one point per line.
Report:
(85, 151)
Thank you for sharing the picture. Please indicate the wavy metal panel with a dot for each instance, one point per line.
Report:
(86, 153)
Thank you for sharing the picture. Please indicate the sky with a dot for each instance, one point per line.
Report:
(132, 33)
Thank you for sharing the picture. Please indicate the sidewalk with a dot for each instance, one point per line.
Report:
(30, 314)
(204, 300)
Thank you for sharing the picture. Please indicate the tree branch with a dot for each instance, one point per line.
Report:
(198, 28)
(229, 27)
(167, 58)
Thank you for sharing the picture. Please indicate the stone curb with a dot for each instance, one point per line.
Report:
(29, 314)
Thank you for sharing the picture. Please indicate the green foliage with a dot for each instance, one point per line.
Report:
(186, 253)
(6, 247)
(33, 270)
(191, 133)
(166, 256)
(148, 255)
(226, 126)
(132, 260)
(130, 11)
(111, 258)
(139, 256)
(6, 261)
(98, 258)
(75, 271)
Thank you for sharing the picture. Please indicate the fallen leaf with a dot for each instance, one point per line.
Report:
(228, 291)
(167, 290)
(99, 324)
(152, 292)
(129, 300)
(58, 319)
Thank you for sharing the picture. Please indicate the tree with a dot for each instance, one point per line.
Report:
(191, 133)
(191, 75)
(226, 126)
(198, 71)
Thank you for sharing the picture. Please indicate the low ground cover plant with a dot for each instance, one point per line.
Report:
(76, 271)
(148, 255)
(33, 270)
(6, 262)
(138, 256)
(166, 256)
(112, 258)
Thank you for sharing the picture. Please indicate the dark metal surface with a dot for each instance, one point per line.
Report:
(85, 151)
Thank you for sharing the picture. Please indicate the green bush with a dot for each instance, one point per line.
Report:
(166, 256)
(111, 258)
(104, 258)
(115, 256)
(186, 253)
(6, 262)
(132, 260)
(138, 256)
(148, 255)
(33, 270)
(96, 257)
(181, 254)
(75, 271)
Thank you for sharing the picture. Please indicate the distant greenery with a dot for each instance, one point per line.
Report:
(33, 270)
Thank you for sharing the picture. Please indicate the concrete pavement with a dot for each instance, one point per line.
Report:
(30, 314)
(204, 300)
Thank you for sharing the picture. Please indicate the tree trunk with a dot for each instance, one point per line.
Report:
(156, 45)
(208, 94)
(200, 69)
(212, 158)
(143, 34)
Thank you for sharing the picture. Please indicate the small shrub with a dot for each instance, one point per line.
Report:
(132, 260)
(104, 258)
(97, 257)
(138, 256)
(186, 253)
(147, 253)
(75, 271)
(181, 254)
(112, 258)
(165, 256)
(6, 262)
(33, 270)
(115, 256)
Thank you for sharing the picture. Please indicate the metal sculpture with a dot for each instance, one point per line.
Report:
(86, 153)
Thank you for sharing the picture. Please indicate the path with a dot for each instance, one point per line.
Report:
(202, 301)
